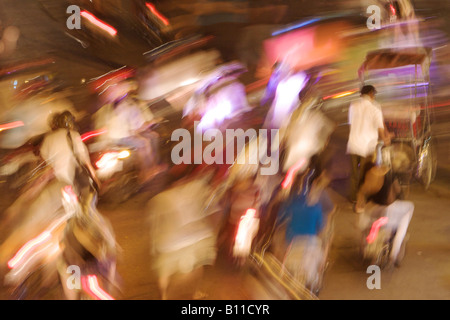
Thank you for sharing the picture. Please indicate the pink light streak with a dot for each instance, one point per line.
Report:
(91, 134)
(11, 125)
(91, 286)
(153, 10)
(291, 173)
(98, 23)
(27, 247)
(375, 228)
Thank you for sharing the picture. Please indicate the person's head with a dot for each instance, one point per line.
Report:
(66, 120)
(368, 90)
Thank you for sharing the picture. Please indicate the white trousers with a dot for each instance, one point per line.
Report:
(399, 215)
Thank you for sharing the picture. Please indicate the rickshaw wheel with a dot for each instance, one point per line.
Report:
(427, 171)
(427, 174)
(402, 158)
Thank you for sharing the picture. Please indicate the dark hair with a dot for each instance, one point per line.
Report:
(368, 89)
(66, 120)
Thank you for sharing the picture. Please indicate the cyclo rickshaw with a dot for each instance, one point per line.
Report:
(402, 79)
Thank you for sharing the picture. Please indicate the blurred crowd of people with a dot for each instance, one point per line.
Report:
(223, 213)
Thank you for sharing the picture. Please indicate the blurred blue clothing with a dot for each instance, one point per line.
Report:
(302, 219)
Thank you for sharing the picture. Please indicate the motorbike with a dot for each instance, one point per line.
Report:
(378, 235)
(88, 247)
(118, 166)
(378, 240)
(42, 264)
(32, 270)
(118, 169)
(241, 198)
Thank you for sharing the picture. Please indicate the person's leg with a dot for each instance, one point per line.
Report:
(354, 177)
(365, 163)
(312, 258)
(399, 214)
(163, 283)
(197, 277)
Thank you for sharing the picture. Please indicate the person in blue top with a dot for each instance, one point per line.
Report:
(303, 218)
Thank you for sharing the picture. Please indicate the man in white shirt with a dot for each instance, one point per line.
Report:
(366, 128)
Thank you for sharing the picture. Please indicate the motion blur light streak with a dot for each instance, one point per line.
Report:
(340, 95)
(296, 26)
(37, 253)
(248, 226)
(394, 12)
(216, 115)
(188, 82)
(91, 134)
(291, 173)
(244, 225)
(375, 228)
(152, 8)
(11, 125)
(97, 22)
(44, 236)
(114, 76)
(123, 154)
(27, 247)
(414, 85)
(68, 194)
(23, 66)
(91, 286)
(108, 160)
(439, 105)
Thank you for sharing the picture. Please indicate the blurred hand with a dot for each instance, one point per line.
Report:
(389, 137)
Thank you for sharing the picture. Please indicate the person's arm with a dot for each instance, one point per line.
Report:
(383, 133)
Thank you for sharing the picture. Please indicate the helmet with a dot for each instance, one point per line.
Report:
(66, 120)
